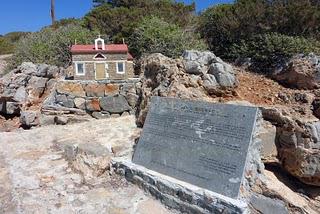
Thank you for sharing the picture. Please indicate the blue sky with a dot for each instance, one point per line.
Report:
(31, 15)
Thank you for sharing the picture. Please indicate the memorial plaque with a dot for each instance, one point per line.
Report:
(201, 143)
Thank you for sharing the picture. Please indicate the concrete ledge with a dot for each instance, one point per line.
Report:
(177, 194)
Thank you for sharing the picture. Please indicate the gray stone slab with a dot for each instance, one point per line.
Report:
(202, 143)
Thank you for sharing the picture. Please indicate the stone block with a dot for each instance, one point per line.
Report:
(115, 105)
(80, 103)
(29, 118)
(100, 115)
(95, 90)
(70, 88)
(111, 89)
(93, 105)
(12, 108)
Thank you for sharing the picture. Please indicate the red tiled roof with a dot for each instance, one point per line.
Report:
(130, 57)
(110, 48)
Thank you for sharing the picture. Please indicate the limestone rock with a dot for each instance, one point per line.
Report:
(36, 86)
(65, 101)
(95, 90)
(20, 95)
(80, 103)
(111, 90)
(61, 120)
(100, 115)
(71, 88)
(12, 108)
(302, 72)
(93, 104)
(28, 68)
(42, 70)
(29, 118)
(116, 104)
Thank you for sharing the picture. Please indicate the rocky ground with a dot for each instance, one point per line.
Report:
(55, 169)
(40, 172)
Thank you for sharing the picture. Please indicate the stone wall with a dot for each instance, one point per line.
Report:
(110, 60)
(100, 99)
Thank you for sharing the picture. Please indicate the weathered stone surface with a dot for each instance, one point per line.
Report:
(65, 101)
(20, 95)
(93, 104)
(29, 118)
(116, 104)
(302, 72)
(132, 99)
(297, 144)
(60, 120)
(42, 70)
(111, 89)
(95, 90)
(80, 103)
(268, 205)
(12, 108)
(28, 68)
(204, 144)
(267, 136)
(71, 88)
(36, 86)
(193, 67)
(100, 115)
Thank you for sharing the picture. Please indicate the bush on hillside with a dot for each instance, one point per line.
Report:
(6, 47)
(51, 46)
(227, 24)
(269, 50)
(154, 35)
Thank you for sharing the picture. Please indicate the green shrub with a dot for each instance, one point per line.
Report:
(154, 35)
(6, 47)
(51, 46)
(266, 50)
(225, 25)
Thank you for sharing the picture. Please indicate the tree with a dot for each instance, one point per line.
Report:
(154, 35)
(119, 18)
(53, 15)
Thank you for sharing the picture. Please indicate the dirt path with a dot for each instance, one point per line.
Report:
(36, 174)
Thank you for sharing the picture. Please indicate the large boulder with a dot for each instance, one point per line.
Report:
(302, 72)
(95, 90)
(298, 144)
(166, 77)
(115, 105)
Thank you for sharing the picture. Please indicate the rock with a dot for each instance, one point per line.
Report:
(203, 58)
(93, 104)
(301, 71)
(20, 95)
(42, 70)
(268, 205)
(111, 90)
(223, 74)
(28, 68)
(210, 83)
(80, 103)
(302, 97)
(53, 72)
(100, 115)
(29, 118)
(61, 120)
(267, 135)
(70, 88)
(132, 99)
(95, 90)
(65, 101)
(36, 86)
(193, 67)
(12, 108)
(20, 80)
(116, 104)
(46, 120)
(115, 115)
